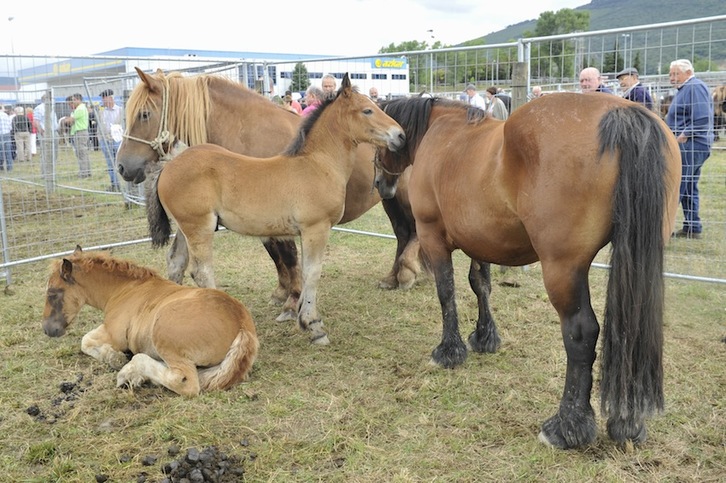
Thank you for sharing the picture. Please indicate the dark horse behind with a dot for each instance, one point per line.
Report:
(564, 176)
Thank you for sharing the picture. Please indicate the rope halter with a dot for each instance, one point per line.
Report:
(163, 137)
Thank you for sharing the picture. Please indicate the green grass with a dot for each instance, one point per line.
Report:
(369, 407)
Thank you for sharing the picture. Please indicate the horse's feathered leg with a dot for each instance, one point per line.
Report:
(451, 352)
(485, 338)
(567, 286)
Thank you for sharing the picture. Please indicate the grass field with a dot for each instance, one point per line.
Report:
(369, 407)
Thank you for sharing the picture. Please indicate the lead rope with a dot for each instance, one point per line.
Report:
(157, 144)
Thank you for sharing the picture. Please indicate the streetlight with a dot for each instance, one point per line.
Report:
(431, 61)
(12, 52)
(625, 50)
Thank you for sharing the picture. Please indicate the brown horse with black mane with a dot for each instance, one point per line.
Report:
(301, 192)
(564, 176)
(164, 109)
(187, 339)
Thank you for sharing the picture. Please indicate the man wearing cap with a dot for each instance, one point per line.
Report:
(473, 97)
(110, 133)
(634, 90)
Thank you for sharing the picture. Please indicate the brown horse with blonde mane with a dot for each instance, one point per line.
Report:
(186, 339)
(564, 176)
(164, 109)
(301, 192)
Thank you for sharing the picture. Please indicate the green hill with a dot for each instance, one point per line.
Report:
(609, 14)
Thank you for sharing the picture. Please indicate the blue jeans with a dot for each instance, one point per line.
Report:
(693, 155)
(109, 148)
(6, 152)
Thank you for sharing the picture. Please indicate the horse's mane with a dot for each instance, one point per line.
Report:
(308, 122)
(414, 113)
(88, 261)
(189, 104)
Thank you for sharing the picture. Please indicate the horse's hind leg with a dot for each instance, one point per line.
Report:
(177, 259)
(180, 376)
(574, 423)
(485, 338)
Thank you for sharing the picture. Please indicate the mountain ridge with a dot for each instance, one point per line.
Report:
(608, 14)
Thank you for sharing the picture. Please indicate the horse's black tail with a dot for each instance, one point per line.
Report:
(159, 224)
(631, 386)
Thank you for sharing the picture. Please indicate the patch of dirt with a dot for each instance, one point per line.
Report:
(62, 403)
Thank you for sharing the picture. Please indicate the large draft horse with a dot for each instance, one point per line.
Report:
(300, 192)
(164, 109)
(564, 176)
(186, 339)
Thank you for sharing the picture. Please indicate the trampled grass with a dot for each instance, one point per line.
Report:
(369, 407)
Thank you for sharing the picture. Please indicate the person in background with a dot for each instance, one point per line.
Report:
(33, 132)
(295, 105)
(110, 134)
(633, 89)
(505, 98)
(690, 117)
(536, 92)
(373, 94)
(495, 106)
(329, 86)
(591, 81)
(78, 122)
(313, 98)
(287, 103)
(473, 98)
(6, 147)
(39, 117)
(21, 128)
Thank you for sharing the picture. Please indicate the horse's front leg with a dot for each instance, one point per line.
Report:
(574, 423)
(97, 344)
(485, 338)
(402, 231)
(177, 259)
(451, 352)
(313, 241)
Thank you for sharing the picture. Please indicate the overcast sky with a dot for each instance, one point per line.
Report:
(335, 27)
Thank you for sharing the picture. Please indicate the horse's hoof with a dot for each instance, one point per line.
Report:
(580, 430)
(621, 431)
(321, 339)
(449, 357)
(388, 283)
(286, 315)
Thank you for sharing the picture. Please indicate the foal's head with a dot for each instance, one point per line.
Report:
(63, 298)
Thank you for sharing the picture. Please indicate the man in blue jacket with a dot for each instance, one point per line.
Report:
(690, 117)
(633, 89)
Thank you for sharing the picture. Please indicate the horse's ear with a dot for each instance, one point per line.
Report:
(78, 250)
(345, 86)
(146, 79)
(66, 272)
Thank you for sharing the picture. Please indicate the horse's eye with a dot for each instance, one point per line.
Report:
(368, 112)
(144, 115)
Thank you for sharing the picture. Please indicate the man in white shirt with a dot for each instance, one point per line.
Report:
(474, 99)
(110, 134)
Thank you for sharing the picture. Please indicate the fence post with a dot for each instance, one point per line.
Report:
(519, 84)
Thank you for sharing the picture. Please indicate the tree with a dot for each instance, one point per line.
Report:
(300, 81)
(564, 21)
